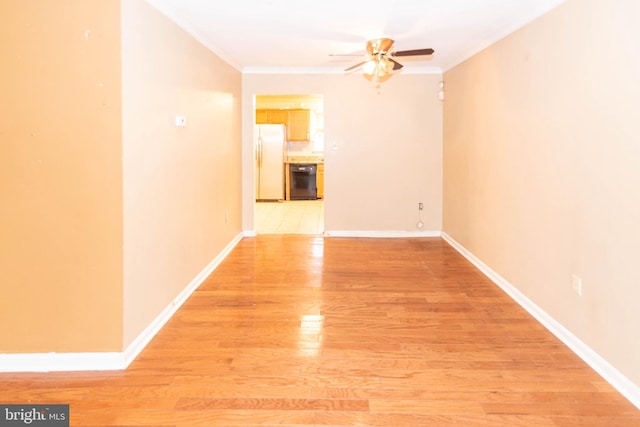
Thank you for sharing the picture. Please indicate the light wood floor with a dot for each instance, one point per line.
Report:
(290, 217)
(312, 331)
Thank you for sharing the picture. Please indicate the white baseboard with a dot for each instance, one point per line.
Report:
(109, 361)
(150, 331)
(612, 375)
(60, 362)
(381, 234)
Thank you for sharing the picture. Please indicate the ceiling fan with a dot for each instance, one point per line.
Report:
(380, 56)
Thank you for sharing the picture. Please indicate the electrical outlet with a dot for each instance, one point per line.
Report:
(181, 121)
(576, 284)
(420, 206)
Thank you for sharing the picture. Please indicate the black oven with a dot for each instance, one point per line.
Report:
(302, 181)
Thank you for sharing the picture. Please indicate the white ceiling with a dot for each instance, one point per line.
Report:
(289, 36)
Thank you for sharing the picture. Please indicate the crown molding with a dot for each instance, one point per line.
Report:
(330, 70)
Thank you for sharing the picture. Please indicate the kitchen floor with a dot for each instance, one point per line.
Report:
(290, 217)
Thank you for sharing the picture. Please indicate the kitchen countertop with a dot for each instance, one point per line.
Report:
(305, 159)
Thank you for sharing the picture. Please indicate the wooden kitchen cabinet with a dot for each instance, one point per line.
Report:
(272, 117)
(299, 124)
(320, 180)
(261, 117)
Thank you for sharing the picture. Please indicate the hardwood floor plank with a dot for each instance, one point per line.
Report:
(596, 409)
(426, 407)
(416, 420)
(313, 331)
(206, 418)
(599, 421)
(187, 404)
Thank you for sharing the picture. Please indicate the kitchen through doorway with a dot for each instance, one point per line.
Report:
(289, 164)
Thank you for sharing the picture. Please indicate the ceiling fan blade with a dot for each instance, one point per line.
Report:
(414, 52)
(353, 67)
(396, 64)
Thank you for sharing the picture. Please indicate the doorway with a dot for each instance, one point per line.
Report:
(302, 118)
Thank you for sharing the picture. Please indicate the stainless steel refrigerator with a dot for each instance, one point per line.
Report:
(270, 144)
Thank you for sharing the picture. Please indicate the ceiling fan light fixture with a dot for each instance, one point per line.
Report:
(379, 62)
(379, 66)
(386, 66)
(369, 67)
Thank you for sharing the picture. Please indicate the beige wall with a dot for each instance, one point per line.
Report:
(388, 155)
(182, 186)
(60, 177)
(108, 210)
(541, 168)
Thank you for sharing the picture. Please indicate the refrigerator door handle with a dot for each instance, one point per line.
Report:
(259, 152)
